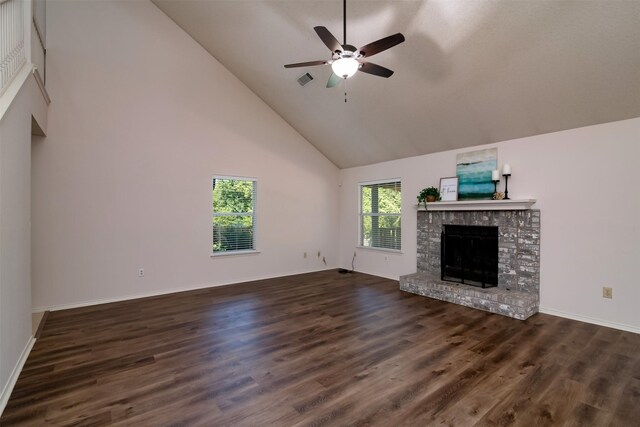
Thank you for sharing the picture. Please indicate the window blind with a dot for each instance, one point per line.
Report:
(234, 214)
(380, 215)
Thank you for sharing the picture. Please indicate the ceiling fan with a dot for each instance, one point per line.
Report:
(346, 59)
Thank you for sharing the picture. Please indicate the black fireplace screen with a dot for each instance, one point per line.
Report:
(469, 255)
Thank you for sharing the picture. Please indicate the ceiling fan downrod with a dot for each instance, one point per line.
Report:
(344, 21)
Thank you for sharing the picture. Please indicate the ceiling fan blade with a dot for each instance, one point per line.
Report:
(305, 64)
(328, 39)
(334, 80)
(381, 45)
(375, 69)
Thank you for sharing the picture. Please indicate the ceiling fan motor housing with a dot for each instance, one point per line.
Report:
(349, 48)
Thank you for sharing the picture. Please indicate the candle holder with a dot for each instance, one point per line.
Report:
(506, 185)
(495, 185)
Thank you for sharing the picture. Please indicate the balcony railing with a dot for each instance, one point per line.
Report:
(12, 49)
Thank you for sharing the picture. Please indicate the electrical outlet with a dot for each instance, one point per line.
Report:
(141, 272)
(607, 292)
(304, 255)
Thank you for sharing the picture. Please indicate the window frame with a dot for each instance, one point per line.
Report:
(254, 205)
(361, 215)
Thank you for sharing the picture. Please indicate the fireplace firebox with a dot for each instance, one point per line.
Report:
(469, 255)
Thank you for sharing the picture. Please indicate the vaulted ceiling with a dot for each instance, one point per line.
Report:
(470, 72)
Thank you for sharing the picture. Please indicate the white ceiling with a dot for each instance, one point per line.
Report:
(470, 72)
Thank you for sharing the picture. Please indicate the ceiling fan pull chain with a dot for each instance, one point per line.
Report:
(345, 90)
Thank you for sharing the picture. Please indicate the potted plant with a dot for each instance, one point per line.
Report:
(430, 194)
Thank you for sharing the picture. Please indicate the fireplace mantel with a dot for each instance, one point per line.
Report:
(480, 205)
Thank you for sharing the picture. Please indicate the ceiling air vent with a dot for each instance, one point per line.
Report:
(306, 78)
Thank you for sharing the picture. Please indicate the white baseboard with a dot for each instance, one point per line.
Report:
(383, 275)
(375, 273)
(559, 313)
(13, 378)
(88, 303)
(600, 322)
(99, 301)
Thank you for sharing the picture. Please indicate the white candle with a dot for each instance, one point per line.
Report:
(506, 169)
(495, 175)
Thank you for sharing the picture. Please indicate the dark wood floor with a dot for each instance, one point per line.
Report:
(322, 349)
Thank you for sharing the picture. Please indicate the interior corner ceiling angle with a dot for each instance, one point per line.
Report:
(469, 72)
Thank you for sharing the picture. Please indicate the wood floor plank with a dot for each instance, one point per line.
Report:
(321, 349)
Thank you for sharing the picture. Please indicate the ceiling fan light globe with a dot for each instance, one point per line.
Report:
(345, 67)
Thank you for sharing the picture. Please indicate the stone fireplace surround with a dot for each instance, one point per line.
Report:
(518, 292)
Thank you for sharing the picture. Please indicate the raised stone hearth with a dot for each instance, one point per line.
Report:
(517, 304)
(518, 292)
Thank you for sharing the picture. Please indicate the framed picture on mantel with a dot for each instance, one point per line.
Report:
(449, 189)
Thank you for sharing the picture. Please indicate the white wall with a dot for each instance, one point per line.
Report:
(15, 286)
(142, 118)
(586, 184)
(15, 240)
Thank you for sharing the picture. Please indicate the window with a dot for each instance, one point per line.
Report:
(234, 214)
(380, 215)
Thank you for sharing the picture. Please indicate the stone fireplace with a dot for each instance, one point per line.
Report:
(518, 252)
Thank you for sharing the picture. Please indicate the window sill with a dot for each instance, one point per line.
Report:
(232, 253)
(392, 251)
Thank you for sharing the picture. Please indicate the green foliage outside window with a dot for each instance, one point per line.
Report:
(233, 214)
(380, 218)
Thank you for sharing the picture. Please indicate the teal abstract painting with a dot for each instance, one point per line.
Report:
(473, 170)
